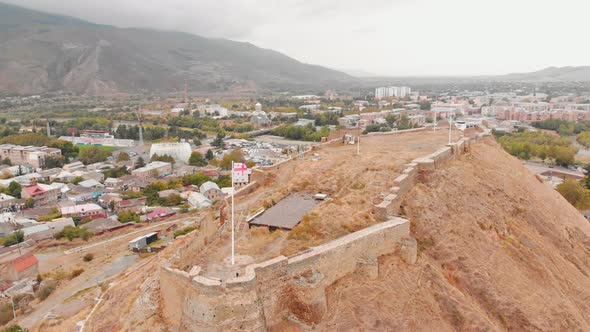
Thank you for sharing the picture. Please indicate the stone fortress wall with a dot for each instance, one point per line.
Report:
(295, 287)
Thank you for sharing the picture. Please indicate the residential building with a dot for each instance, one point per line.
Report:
(153, 170)
(211, 191)
(48, 229)
(137, 205)
(80, 194)
(42, 194)
(392, 91)
(35, 156)
(260, 118)
(97, 176)
(214, 110)
(98, 137)
(26, 266)
(101, 225)
(199, 201)
(84, 211)
(113, 183)
(23, 180)
(75, 166)
(304, 122)
(91, 184)
(9, 202)
(167, 193)
(184, 170)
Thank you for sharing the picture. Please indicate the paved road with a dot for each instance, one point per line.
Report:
(86, 247)
(43, 310)
(539, 168)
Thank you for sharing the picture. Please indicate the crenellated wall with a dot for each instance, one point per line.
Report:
(418, 170)
(294, 288)
(276, 289)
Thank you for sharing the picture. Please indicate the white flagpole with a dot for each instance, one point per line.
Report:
(232, 215)
(358, 139)
(450, 126)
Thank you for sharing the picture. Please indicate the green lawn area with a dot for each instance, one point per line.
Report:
(109, 148)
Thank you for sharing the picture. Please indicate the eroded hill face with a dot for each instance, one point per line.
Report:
(498, 250)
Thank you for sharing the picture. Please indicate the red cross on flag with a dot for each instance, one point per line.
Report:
(240, 173)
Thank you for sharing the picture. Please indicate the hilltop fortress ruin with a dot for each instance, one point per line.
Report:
(294, 288)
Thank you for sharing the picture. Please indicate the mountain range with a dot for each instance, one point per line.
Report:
(41, 52)
(551, 74)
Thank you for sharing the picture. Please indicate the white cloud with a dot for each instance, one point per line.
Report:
(403, 37)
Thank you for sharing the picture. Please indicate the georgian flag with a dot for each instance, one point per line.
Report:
(240, 173)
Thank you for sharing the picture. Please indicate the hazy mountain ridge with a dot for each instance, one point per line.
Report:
(42, 52)
(551, 74)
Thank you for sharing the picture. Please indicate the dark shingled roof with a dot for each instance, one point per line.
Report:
(287, 213)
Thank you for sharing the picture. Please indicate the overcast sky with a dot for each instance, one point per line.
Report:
(384, 37)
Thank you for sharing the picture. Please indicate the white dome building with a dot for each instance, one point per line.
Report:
(258, 107)
(181, 152)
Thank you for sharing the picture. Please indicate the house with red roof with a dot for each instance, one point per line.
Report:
(159, 214)
(26, 266)
(42, 194)
(136, 205)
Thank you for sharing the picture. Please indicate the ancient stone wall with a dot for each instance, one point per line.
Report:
(294, 287)
(281, 288)
(419, 169)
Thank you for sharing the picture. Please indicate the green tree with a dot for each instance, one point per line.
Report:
(26, 139)
(425, 105)
(13, 328)
(218, 141)
(30, 203)
(575, 193)
(172, 200)
(14, 238)
(195, 179)
(139, 162)
(71, 233)
(235, 155)
(127, 216)
(197, 159)
(123, 156)
(68, 149)
(54, 162)
(391, 119)
(94, 154)
(566, 129)
(209, 155)
(586, 180)
(14, 189)
(77, 179)
(584, 138)
(165, 158)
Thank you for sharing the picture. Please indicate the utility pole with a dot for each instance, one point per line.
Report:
(185, 92)
(140, 129)
(13, 310)
(450, 127)
(358, 138)
(434, 122)
(233, 261)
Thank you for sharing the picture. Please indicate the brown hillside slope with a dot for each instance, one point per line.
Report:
(499, 250)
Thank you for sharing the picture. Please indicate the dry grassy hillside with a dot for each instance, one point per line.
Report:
(499, 250)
